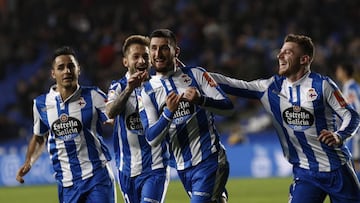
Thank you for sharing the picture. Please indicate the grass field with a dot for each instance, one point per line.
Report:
(267, 190)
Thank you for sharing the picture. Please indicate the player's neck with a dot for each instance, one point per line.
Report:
(300, 74)
(66, 92)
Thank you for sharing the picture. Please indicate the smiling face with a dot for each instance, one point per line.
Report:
(289, 59)
(293, 63)
(66, 71)
(162, 54)
(137, 58)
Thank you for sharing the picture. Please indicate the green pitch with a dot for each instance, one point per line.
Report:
(264, 190)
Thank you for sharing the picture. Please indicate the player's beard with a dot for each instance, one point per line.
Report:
(168, 66)
(290, 68)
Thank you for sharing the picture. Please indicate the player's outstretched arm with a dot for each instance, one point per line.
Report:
(35, 148)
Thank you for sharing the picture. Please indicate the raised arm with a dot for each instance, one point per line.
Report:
(209, 95)
(116, 104)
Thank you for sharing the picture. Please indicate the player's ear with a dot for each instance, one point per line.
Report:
(125, 62)
(53, 73)
(177, 52)
(304, 59)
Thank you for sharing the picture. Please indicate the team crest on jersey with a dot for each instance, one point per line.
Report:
(298, 118)
(66, 127)
(185, 80)
(311, 94)
(82, 102)
(133, 123)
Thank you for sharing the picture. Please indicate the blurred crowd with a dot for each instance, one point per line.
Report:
(239, 38)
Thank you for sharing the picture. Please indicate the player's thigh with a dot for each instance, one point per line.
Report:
(208, 181)
(127, 188)
(102, 193)
(346, 187)
(154, 188)
(304, 191)
(68, 194)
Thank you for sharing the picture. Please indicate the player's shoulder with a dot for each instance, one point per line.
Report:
(41, 97)
(92, 89)
(193, 69)
(327, 83)
(122, 81)
(51, 93)
(318, 76)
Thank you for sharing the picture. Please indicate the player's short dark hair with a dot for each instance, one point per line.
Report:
(165, 33)
(304, 42)
(64, 50)
(348, 68)
(134, 39)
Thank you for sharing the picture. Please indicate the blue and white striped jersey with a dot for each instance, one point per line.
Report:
(351, 91)
(75, 140)
(133, 154)
(190, 130)
(300, 111)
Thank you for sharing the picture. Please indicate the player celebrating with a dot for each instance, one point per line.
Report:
(175, 107)
(69, 118)
(143, 169)
(303, 105)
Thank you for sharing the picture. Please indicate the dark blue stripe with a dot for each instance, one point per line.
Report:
(41, 106)
(205, 139)
(146, 154)
(320, 120)
(241, 92)
(116, 144)
(148, 88)
(183, 140)
(42, 109)
(125, 145)
(53, 149)
(274, 102)
(87, 117)
(182, 135)
(70, 147)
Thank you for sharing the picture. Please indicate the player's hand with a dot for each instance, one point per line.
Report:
(24, 169)
(173, 100)
(330, 138)
(192, 95)
(137, 78)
